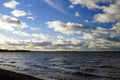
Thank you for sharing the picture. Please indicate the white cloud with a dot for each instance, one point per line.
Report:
(86, 21)
(5, 39)
(11, 4)
(10, 23)
(101, 30)
(43, 37)
(116, 27)
(21, 13)
(59, 37)
(103, 44)
(7, 27)
(77, 14)
(40, 36)
(103, 18)
(35, 29)
(65, 44)
(111, 13)
(2, 39)
(30, 17)
(65, 28)
(88, 36)
(21, 33)
(18, 13)
(71, 6)
(91, 4)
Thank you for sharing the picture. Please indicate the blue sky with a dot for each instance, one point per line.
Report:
(53, 25)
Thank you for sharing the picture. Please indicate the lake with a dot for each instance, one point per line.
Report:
(63, 65)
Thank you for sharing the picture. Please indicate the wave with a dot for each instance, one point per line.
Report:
(108, 66)
(93, 75)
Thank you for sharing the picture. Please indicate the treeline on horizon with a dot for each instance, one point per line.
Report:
(5, 50)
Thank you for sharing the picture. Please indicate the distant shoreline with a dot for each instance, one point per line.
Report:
(2, 50)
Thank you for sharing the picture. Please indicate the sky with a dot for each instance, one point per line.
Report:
(60, 25)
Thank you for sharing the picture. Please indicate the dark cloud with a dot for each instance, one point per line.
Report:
(44, 43)
(12, 21)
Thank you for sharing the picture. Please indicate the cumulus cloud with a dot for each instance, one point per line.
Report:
(9, 23)
(103, 44)
(89, 4)
(21, 33)
(2, 39)
(60, 37)
(110, 34)
(11, 43)
(103, 18)
(58, 44)
(107, 17)
(35, 29)
(40, 36)
(36, 44)
(18, 13)
(101, 30)
(87, 33)
(11, 4)
(71, 6)
(21, 13)
(77, 14)
(92, 4)
(66, 28)
(88, 36)
(87, 21)
(5, 39)
(111, 13)
(43, 37)
(72, 44)
(116, 27)
(30, 17)
(17, 43)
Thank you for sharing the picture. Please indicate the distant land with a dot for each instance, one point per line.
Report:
(5, 50)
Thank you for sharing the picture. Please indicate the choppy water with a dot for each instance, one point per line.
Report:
(63, 66)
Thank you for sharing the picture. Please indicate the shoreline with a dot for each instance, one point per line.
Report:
(98, 51)
(9, 75)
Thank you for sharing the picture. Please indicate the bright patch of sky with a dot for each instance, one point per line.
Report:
(75, 25)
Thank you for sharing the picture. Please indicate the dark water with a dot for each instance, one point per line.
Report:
(64, 66)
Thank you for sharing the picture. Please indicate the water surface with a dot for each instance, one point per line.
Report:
(63, 66)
